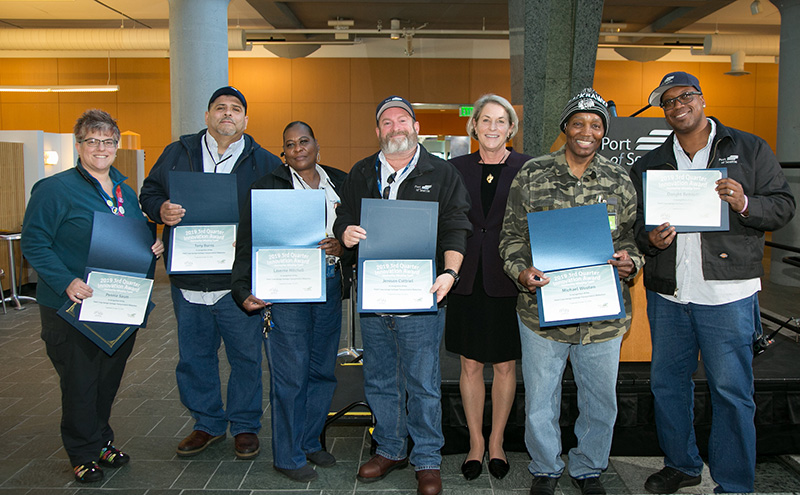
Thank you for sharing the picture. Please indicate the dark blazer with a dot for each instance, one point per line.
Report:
(280, 178)
(485, 237)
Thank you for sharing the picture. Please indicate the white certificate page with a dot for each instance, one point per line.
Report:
(202, 248)
(294, 274)
(397, 285)
(682, 198)
(580, 293)
(120, 299)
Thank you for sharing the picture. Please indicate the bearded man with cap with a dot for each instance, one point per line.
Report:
(205, 311)
(573, 176)
(401, 352)
(702, 291)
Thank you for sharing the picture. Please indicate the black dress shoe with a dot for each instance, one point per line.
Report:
(668, 480)
(498, 468)
(471, 469)
(589, 486)
(543, 485)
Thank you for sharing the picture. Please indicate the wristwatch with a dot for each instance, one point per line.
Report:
(454, 274)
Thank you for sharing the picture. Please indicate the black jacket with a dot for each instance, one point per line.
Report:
(280, 178)
(433, 179)
(732, 255)
(186, 155)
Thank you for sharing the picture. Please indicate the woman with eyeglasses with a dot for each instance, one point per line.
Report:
(56, 234)
(481, 323)
(302, 343)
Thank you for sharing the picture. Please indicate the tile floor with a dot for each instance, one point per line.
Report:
(149, 421)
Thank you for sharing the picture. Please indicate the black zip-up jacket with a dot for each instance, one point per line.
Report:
(241, 276)
(732, 255)
(433, 179)
(186, 155)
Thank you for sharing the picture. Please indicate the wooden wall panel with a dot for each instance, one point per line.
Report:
(69, 113)
(262, 80)
(34, 72)
(330, 121)
(439, 81)
(12, 200)
(489, 76)
(373, 79)
(30, 116)
(442, 122)
(766, 84)
(151, 120)
(94, 71)
(636, 344)
(143, 80)
(621, 82)
(320, 80)
(363, 125)
(266, 122)
(126, 163)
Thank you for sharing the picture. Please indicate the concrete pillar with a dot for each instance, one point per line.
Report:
(553, 46)
(198, 59)
(788, 131)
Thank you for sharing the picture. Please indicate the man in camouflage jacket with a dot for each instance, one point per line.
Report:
(573, 176)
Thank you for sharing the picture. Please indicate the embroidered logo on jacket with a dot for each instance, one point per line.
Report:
(423, 189)
(729, 159)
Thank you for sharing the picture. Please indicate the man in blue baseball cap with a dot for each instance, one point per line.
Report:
(702, 290)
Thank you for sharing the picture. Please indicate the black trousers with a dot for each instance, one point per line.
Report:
(89, 380)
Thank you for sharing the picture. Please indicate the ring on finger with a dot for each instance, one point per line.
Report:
(730, 192)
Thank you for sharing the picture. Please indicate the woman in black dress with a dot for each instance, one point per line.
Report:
(481, 315)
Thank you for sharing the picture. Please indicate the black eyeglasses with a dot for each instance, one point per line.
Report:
(388, 188)
(685, 99)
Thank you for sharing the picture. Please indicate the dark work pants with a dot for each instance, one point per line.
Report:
(89, 380)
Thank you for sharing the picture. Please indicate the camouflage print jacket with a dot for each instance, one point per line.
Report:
(546, 183)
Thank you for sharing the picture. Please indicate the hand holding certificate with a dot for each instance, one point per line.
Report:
(119, 258)
(287, 264)
(582, 286)
(203, 241)
(396, 267)
(686, 199)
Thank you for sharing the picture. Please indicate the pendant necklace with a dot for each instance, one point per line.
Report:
(490, 177)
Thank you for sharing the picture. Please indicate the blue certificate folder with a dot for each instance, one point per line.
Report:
(288, 219)
(118, 245)
(209, 199)
(724, 219)
(397, 230)
(570, 238)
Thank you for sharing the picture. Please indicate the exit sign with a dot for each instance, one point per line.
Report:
(464, 111)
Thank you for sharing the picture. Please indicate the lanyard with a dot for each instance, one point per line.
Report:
(397, 177)
(211, 155)
(116, 209)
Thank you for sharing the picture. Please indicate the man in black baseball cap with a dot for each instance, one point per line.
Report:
(229, 91)
(205, 311)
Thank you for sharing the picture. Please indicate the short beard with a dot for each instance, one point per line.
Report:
(391, 146)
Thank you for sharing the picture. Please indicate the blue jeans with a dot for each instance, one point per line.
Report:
(200, 330)
(595, 369)
(301, 350)
(724, 335)
(401, 356)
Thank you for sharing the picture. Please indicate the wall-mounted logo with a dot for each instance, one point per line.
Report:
(630, 138)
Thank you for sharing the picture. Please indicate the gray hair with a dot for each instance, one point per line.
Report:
(95, 120)
(477, 108)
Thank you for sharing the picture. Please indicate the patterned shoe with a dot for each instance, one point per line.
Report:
(88, 473)
(111, 457)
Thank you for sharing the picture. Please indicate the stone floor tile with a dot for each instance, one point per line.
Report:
(142, 473)
(229, 475)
